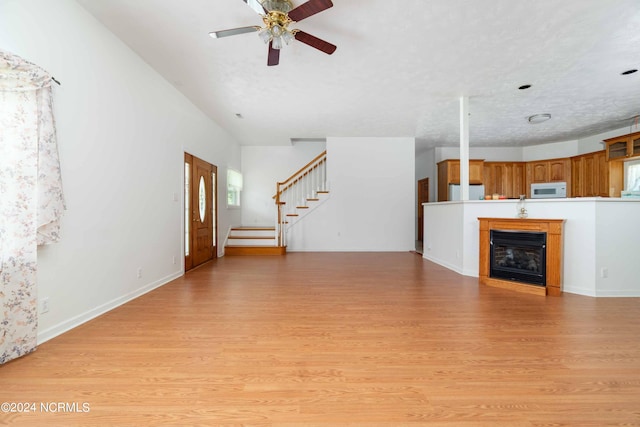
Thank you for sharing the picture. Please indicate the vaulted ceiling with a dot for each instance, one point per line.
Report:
(400, 67)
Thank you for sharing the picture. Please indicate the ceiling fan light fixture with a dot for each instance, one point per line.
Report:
(276, 43)
(265, 35)
(288, 36)
(538, 118)
(276, 30)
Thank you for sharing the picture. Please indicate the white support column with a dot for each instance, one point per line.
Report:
(464, 148)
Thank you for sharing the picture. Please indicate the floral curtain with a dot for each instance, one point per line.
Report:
(31, 200)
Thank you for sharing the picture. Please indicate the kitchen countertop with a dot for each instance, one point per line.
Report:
(557, 200)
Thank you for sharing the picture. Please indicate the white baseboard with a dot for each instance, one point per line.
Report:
(444, 264)
(67, 325)
(618, 293)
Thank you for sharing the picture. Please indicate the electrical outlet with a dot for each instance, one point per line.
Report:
(604, 272)
(174, 260)
(44, 305)
(139, 272)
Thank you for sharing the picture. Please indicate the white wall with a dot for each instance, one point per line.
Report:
(122, 131)
(579, 236)
(618, 250)
(598, 233)
(262, 168)
(550, 151)
(594, 143)
(371, 206)
(426, 168)
(489, 154)
(533, 152)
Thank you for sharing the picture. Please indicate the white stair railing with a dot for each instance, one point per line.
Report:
(296, 191)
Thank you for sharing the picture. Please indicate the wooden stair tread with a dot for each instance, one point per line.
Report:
(302, 207)
(252, 237)
(250, 246)
(231, 250)
(253, 228)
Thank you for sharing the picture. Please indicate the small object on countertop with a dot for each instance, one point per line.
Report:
(487, 197)
(496, 196)
(630, 194)
(522, 211)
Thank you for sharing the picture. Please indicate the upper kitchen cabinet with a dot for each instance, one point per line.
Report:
(623, 147)
(555, 170)
(590, 175)
(449, 173)
(450, 169)
(504, 178)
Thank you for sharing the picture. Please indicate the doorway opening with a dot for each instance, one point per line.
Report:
(423, 197)
(200, 211)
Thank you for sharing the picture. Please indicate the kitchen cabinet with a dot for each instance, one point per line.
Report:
(554, 170)
(504, 178)
(449, 173)
(602, 172)
(538, 171)
(593, 176)
(622, 147)
(590, 175)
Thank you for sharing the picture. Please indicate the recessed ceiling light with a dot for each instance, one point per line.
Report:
(538, 118)
(523, 87)
(626, 73)
(238, 115)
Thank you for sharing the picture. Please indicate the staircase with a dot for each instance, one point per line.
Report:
(295, 198)
(253, 241)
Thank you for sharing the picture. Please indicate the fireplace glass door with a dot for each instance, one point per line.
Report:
(518, 256)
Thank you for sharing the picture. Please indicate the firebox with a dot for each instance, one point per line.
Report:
(518, 256)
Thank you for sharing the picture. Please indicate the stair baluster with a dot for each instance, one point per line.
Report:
(295, 192)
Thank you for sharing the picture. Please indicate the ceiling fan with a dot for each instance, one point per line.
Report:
(277, 15)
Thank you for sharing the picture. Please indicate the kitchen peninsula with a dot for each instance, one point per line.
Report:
(601, 247)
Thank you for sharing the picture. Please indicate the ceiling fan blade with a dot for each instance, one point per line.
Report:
(313, 41)
(274, 55)
(256, 6)
(233, 32)
(308, 9)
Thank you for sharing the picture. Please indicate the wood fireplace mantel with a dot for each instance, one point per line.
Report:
(553, 228)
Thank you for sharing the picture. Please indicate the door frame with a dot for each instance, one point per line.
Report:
(190, 213)
(421, 200)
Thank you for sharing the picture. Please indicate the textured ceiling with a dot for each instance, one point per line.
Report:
(400, 67)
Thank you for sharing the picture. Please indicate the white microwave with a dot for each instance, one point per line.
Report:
(548, 190)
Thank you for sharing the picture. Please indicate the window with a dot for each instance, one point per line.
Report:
(234, 188)
(632, 174)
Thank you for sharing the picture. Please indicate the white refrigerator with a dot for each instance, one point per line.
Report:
(476, 192)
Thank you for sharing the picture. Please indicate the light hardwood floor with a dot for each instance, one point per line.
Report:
(337, 339)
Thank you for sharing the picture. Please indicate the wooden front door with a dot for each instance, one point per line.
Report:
(200, 211)
(423, 197)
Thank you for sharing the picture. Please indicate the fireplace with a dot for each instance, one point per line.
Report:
(518, 256)
(524, 255)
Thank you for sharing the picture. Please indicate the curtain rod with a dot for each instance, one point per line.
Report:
(54, 79)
